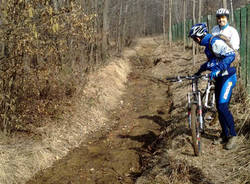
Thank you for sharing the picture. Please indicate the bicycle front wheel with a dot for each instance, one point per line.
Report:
(195, 130)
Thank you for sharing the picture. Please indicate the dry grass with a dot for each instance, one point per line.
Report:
(20, 161)
(108, 84)
(242, 169)
(241, 173)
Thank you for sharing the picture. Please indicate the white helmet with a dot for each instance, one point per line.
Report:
(222, 12)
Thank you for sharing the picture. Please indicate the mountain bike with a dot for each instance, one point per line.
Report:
(201, 107)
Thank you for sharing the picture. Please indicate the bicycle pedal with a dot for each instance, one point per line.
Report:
(209, 118)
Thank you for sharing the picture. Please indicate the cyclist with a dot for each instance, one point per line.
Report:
(220, 56)
(223, 28)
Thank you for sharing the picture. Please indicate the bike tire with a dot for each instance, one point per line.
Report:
(195, 130)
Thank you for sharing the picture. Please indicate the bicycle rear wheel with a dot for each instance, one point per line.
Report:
(195, 130)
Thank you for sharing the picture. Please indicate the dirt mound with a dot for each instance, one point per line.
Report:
(21, 160)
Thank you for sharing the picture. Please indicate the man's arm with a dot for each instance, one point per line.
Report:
(203, 68)
(235, 39)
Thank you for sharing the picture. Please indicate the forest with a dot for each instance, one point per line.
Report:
(46, 45)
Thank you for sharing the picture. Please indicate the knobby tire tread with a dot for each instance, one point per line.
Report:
(194, 129)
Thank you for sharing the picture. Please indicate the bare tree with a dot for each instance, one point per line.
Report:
(124, 32)
(232, 11)
(199, 17)
(199, 20)
(105, 25)
(164, 22)
(170, 22)
(184, 22)
(97, 30)
(144, 18)
(194, 21)
(119, 39)
(224, 3)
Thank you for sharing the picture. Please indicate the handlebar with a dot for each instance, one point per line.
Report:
(188, 77)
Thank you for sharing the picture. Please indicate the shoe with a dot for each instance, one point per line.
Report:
(231, 143)
(220, 140)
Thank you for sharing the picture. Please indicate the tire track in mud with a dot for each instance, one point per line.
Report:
(118, 156)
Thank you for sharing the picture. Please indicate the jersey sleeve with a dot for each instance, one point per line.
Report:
(203, 67)
(235, 39)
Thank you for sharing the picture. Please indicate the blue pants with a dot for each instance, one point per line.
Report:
(223, 92)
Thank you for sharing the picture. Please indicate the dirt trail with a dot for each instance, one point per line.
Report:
(149, 132)
(117, 156)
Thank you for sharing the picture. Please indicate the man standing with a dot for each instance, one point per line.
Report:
(220, 56)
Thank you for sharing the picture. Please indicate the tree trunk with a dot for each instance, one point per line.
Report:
(199, 18)
(170, 22)
(105, 26)
(232, 12)
(194, 21)
(97, 39)
(119, 39)
(224, 3)
(144, 18)
(164, 22)
(184, 24)
(92, 54)
(124, 32)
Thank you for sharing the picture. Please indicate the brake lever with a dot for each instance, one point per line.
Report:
(179, 79)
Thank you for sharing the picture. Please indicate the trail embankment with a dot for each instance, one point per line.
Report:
(22, 158)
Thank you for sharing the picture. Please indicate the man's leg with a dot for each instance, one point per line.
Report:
(224, 130)
(224, 100)
(226, 119)
(223, 108)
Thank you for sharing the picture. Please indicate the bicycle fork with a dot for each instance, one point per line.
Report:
(209, 103)
(199, 110)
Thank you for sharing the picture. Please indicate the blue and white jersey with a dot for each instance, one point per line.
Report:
(230, 32)
(220, 48)
(219, 58)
